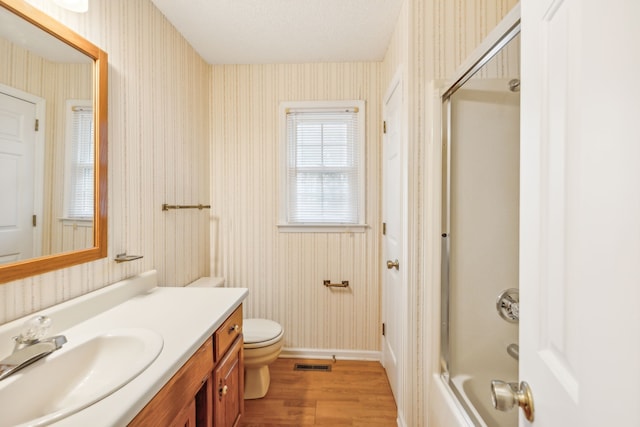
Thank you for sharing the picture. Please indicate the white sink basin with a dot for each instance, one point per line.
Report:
(76, 376)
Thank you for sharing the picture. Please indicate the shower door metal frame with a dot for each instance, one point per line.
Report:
(512, 30)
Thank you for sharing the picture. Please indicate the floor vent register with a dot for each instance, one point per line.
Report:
(307, 367)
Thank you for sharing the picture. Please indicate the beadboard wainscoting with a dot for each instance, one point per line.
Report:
(158, 153)
(285, 271)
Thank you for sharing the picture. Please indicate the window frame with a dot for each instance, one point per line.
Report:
(284, 225)
(66, 216)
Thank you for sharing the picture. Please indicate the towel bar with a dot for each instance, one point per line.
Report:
(166, 207)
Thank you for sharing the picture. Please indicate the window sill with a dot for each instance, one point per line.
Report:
(322, 228)
(79, 222)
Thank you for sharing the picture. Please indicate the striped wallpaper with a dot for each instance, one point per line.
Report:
(181, 131)
(158, 153)
(454, 28)
(171, 114)
(284, 271)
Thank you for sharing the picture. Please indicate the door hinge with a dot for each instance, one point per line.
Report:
(384, 126)
(37, 126)
(384, 228)
(384, 330)
(34, 220)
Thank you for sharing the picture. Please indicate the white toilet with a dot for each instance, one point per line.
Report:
(262, 346)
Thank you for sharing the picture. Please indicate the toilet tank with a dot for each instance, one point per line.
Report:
(207, 282)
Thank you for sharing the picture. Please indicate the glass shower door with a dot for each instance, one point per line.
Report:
(480, 231)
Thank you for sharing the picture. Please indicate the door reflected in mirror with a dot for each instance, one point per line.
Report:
(52, 144)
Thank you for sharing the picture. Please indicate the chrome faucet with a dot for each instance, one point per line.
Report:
(30, 346)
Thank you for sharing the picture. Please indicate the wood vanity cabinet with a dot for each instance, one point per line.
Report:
(208, 391)
(187, 417)
(176, 403)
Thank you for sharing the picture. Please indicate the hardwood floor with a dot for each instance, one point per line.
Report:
(354, 393)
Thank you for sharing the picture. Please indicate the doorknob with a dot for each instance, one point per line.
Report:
(393, 264)
(505, 396)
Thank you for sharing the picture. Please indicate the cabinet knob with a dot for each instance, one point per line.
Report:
(234, 328)
(224, 390)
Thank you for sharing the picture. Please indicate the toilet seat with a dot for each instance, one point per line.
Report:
(260, 332)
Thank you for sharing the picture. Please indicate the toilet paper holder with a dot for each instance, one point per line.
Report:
(328, 284)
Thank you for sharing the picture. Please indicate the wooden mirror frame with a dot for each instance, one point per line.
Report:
(34, 266)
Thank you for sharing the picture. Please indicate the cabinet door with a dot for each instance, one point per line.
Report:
(186, 417)
(180, 392)
(229, 383)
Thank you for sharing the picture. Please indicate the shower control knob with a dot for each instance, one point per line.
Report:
(508, 305)
(505, 396)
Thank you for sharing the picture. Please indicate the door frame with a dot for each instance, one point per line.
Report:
(398, 82)
(38, 179)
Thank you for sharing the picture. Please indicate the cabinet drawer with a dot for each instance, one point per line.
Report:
(227, 333)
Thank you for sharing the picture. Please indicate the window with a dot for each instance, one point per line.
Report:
(79, 186)
(323, 166)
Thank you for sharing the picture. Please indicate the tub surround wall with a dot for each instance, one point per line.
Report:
(284, 271)
(158, 153)
(485, 159)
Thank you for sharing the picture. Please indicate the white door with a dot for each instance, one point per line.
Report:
(393, 307)
(17, 142)
(580, 212)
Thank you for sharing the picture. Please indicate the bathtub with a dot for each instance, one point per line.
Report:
(474, 394)
(465, 401)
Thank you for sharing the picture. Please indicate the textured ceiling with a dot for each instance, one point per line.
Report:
(284, 31)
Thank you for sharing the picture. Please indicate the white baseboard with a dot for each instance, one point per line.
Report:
(311, 353)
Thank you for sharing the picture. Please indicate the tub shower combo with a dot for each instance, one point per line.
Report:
(480, 210)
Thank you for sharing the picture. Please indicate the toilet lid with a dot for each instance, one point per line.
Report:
(260, 330)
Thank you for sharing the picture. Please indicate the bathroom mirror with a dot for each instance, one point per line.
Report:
(53, 145)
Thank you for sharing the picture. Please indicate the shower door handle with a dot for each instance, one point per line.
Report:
(505, 396)
(393, 264)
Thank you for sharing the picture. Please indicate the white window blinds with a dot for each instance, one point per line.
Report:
(80, 195)
(323, 173)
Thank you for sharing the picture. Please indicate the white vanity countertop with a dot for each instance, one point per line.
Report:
(184, 317)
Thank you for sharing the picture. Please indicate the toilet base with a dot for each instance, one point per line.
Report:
(256, 382)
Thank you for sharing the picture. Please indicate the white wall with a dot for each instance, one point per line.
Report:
(158, 152)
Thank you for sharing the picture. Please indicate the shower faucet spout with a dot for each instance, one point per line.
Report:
(514, 351)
